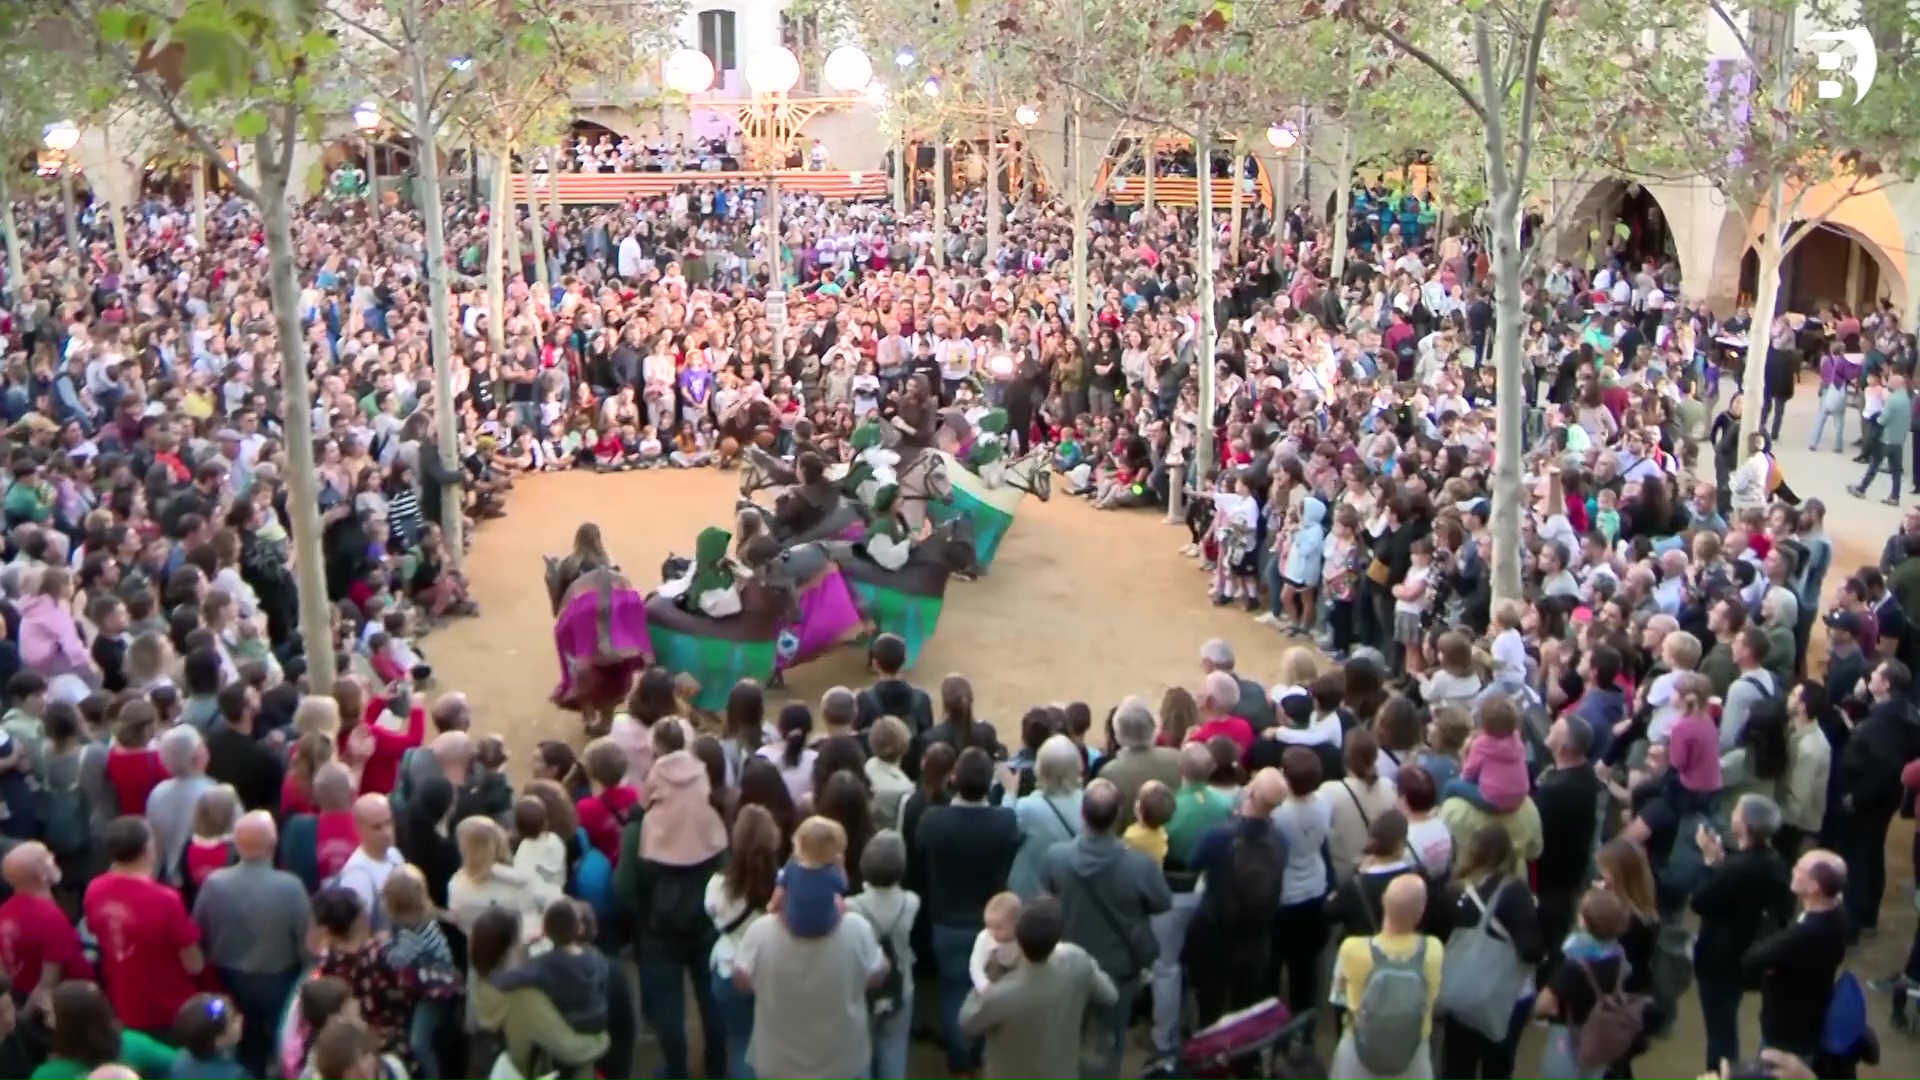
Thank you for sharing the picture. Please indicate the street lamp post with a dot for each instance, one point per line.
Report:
(366, 117)
(61, 138)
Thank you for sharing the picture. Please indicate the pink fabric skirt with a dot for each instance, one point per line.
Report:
(601, 648)
(828, 617)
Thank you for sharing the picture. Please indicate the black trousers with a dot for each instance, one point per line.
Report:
(1299, 937)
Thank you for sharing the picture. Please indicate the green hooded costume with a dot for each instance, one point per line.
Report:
(985, 452)
(864, 438)
(711, 569)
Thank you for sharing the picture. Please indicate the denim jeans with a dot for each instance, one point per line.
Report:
(1461, 788)
(891, 1034)
(1109, 1024)
(952, 951)
(261, 999)
(1169, 988)
(663, 1000)
(422, 1027)
(1720, 1015)
(1895, 460)
(1839, 418)
(736, 1016)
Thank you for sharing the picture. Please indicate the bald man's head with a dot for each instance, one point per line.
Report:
(113, 1072)
(1100, 806)
(255, 836)
(452, 713)
(453, 748)
(30, 869)
(1265, 792)
(373, 819)
(1404, 904)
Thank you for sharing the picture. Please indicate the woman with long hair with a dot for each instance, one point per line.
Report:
(1179, 714)
(844, 798)
(744, 730)
(762, 785)
(1626, 873)
(1358, 800)
(1486, 891)
(791, 754)
(735, 898)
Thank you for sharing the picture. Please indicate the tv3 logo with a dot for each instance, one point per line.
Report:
(1865, 58)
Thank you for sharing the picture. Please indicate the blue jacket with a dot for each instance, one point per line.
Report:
(1601, 708)
(1309, 545)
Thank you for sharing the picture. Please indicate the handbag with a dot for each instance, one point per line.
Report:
(1378, 571)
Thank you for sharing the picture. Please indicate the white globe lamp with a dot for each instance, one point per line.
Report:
(688, 71)
(1026, 115)
(774, 71)
(62, 136)
(366, 117)
(848, 69)
(1282, 136)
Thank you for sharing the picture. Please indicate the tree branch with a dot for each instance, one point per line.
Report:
(1530, 94)
(1400, 41)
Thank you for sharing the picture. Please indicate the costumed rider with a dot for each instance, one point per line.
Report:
(807, 504)
(888, 542)
(872, 467)
(978, 440)
(711, 585)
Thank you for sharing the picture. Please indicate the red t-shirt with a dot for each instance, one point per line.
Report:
(34, 932)
(204, 856)
(1232, 727)
(142, 927)
(294, 797)
(134, 774)
(605, 815)
(335, 838)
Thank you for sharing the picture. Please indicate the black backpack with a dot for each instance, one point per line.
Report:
(1250, 887)
(886, 998)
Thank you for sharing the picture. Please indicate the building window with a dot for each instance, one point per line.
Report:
(802, 35)
(716, 38)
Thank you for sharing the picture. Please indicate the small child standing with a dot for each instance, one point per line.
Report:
(1340, 579)
(211, 846)
(1152, 809)
(995, 952)
(537, 852)
(1494, 776)
(208, 1030)
(417, 945)
(1412, 597)
(812, 885)
(1236, 524)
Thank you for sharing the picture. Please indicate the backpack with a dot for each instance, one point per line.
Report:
(1844, 1029)
(593, 878)
(886, 998)
(1390, 1021)
(1481, 975)
(1250, 894)
(63, 812)
(1613, 1028)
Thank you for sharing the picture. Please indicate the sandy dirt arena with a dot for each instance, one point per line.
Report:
(1080, 605)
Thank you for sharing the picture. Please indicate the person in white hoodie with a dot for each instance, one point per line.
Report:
(487, 878)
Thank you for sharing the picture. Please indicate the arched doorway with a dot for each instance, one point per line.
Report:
(1619, 220)
(1834, 264)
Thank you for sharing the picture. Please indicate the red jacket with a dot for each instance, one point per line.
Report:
(382, 769)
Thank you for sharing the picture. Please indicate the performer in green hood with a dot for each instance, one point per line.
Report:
(887, 541)
(711, 587)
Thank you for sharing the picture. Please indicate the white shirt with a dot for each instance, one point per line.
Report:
(367, 876)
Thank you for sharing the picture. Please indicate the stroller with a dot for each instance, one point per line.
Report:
(1262, 1042)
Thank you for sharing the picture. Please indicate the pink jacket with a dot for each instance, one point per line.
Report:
(50, 638)
(1499, 766)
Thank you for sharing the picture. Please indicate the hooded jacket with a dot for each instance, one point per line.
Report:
(666, 856)
(1108, 892)
(1308, 546)
(49, 638)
